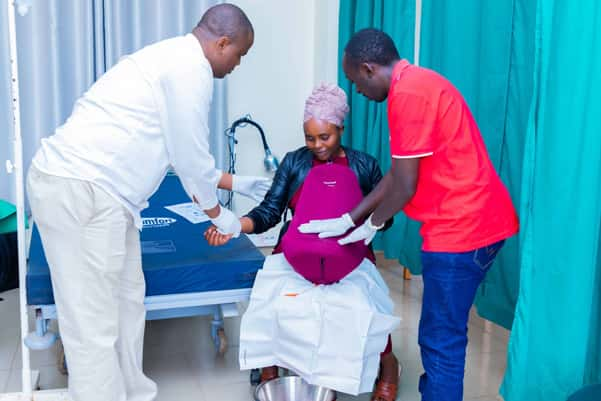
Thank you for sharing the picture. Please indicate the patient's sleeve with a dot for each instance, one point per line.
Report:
(269, 212)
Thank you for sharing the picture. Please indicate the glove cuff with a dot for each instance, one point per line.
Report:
(235, 183)
(347, 217)
(227, 221)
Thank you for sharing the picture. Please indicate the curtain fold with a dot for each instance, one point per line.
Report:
(530, 72)
(554, 345)
(497, 297)
(56, 64)
(65, 45)
(486, 49)
(366, 127)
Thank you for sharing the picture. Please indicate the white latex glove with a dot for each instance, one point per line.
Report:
(227, 222)
(251, 186)
(365, 232)
(328, 227)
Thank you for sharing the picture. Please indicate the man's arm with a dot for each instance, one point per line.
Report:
(400, 187)
(225, 182)
(391, 194)
(411, 125)
(253, 187)
(183, 96)
(372, 200)
(215, 238)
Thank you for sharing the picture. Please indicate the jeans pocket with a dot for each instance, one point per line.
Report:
(485, 256)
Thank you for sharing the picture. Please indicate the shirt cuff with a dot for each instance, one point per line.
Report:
(204, 195)
(207, 202)
(412, 155)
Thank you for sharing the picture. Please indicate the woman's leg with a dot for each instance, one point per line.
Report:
(388, 380)
(269, 373)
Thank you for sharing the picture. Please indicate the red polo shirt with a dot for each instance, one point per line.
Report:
(460, 199)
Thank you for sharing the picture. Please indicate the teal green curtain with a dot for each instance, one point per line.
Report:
(554, 347)
(486, 49)
(366, 128)
(530, 71)
(497, 296)
(8, 217)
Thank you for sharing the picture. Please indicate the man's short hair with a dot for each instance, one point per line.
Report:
(226, 20)
(371, 46)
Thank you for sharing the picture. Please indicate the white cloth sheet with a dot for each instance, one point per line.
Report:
(331, 335)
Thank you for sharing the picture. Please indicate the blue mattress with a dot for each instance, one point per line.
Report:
(175, 256)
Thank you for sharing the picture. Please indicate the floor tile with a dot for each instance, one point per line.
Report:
(230, 392)
(8, 349)
(50, 378)
(173, 375)
(211, 367)
(40, 358)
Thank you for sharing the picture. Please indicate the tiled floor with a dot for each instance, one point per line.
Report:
(180, 357)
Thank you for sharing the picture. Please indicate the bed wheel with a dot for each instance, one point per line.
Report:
(255, 377)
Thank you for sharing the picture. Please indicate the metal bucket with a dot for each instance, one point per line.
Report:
(292, 388)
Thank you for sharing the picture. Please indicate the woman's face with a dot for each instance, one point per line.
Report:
(322, 138)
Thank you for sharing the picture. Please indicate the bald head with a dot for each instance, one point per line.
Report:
(226, 20)
(226, 35)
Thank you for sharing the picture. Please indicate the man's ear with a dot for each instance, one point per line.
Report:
(367, 69)
(222, 42)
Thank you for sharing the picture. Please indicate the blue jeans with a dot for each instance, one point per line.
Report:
(450, 284)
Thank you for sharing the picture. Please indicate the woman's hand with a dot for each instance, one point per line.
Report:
(215, 238)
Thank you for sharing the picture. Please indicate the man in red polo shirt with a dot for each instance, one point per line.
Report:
(441, 175)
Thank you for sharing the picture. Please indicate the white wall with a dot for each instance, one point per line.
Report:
(296, 46)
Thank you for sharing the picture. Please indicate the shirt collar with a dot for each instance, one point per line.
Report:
(397, 72)
(195, 43)
(399, 68)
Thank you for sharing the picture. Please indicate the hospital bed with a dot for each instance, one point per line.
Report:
(184, 275)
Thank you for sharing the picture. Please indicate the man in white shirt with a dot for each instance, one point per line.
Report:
(90, 180)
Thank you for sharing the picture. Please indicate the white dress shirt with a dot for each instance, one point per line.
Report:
(150, 111)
